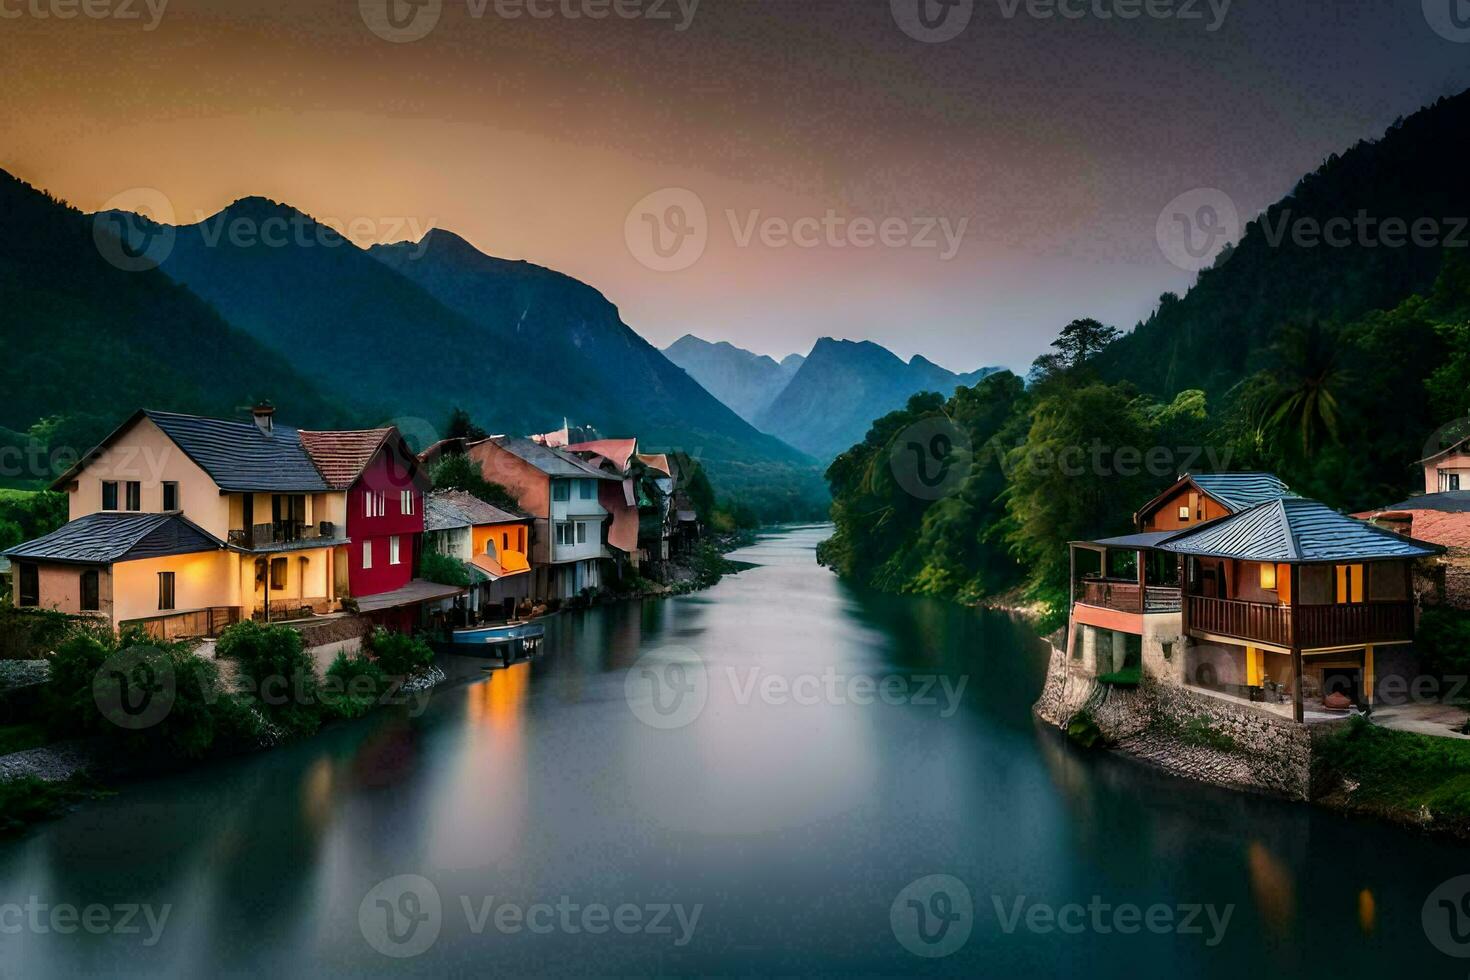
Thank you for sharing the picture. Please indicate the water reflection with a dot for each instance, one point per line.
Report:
(794, 825)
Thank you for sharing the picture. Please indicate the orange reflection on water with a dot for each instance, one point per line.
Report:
(485, 810)
(1272, 885)
(316, 793)
(1367, 912)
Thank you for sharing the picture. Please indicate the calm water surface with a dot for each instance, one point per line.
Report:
(792, 826)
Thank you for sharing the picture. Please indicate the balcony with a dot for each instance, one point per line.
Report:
(1312, 627)
(1128, 596)
(285, 536)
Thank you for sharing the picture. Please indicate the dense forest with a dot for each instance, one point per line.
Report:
(1335, 367)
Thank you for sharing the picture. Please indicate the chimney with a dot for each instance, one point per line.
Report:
(264, 414)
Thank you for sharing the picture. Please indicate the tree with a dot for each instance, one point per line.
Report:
(1079, 342)
(461, 426)
(459, 472)
(1299, 406)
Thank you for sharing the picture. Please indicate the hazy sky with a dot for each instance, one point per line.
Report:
(1053, 143)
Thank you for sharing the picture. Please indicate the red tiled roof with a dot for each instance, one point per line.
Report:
(342, 456)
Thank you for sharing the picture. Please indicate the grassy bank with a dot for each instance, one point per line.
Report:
(1416, 779)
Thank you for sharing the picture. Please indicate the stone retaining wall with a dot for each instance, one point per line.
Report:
(1188, 734)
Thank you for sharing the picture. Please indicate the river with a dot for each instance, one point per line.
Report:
(760, 778)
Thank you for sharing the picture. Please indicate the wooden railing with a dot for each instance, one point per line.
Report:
(1314, 626)
(195, 623)
(281, 533)
(1128, 597)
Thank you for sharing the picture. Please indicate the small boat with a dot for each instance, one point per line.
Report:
(503, 642)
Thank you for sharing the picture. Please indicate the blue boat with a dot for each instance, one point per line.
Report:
(504, 642)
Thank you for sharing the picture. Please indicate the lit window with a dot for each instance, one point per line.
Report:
(1268, 577)
(1184, 513)
(393, 558)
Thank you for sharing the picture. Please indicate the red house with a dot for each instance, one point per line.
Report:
(380, 490)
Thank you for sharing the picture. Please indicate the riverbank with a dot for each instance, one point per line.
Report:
(1350, 765)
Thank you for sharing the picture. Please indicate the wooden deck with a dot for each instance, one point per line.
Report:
(1313, 626)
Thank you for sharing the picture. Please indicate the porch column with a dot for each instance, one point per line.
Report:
(1368, 676)
(1071, 579)
(1183, 596)
(1296, 651)
(1142, 583)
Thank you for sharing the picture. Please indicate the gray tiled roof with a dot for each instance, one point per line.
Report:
(1239, 491)
(552, 462)
(110, 536)
(470, 508)
(1448, 502)
(1292, 529)
(239, 456)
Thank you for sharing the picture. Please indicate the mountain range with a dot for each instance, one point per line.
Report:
(337, 334)
(830, 398)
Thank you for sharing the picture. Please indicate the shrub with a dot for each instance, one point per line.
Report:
(32, 634)
(1444, 642)
(276, 673)
(399, 654)
(354, 685)
(443, 570)
(26, 800)
(1082, 729)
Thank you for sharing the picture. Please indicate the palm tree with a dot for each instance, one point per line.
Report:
(1297, 405)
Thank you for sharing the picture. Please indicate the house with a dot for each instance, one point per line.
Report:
(491, 542)
(617, 457)
(1448, 470)
(1199, 497)
(655, 505)
(377, 491)
(561, 494)
(159, 571)
(1441, 516)
(247, 484)
(1279, 601)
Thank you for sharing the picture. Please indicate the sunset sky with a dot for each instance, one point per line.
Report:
(1054, 142)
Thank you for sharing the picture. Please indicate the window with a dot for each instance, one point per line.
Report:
(1454, 483)
(564, 533)
(165, 590)
(588, 489)
(1349, 583)
(1184, 513)
(561, 491)
(393, 556)
(367, 554)
(109, 495)
(1268, 578)
(505, 540)
(91, 593)
(30, 584)
(521, 540)
(135, 495)
(170, 496)
(278, 574)
(374, 504)
(581, 532)
(405, 502)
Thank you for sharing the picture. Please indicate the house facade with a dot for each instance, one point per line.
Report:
(1280, 601)
(246, 484)
(493, 546)
(561, 494)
